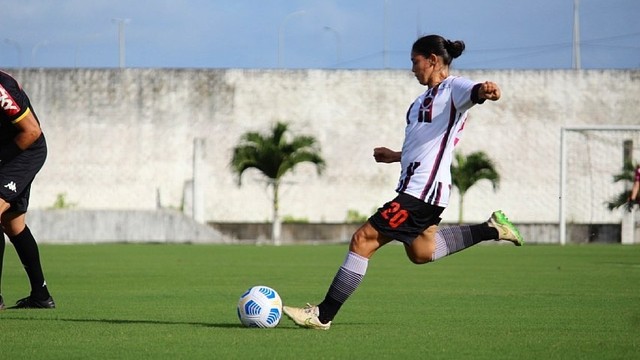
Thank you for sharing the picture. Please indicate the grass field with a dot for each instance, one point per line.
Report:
(178, 301)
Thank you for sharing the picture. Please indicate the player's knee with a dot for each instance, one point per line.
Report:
(358, 240)
(362, 244)
(418, 256)
(420, 260)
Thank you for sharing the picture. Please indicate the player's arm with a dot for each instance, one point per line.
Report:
(28, 132)
(386, 155)
(634, 191)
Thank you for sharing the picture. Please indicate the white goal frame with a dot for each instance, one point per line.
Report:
(563, 166)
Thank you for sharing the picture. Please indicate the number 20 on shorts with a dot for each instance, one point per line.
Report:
(395, 215)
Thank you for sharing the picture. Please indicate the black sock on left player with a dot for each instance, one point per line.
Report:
(345, 282)
(2, 246)
(27, 250)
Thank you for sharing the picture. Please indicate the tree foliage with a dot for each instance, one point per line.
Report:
(626, 176)
(468, 170)
(274, 155)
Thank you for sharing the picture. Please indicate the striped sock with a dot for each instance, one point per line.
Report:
(450, 240)
(345, 282)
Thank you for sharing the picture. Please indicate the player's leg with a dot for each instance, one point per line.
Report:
(2, 247)
(3, 207)
(364, 243)
(449, 240)
(13, 224)
(16, 177)
(403, 219)
(420, 250)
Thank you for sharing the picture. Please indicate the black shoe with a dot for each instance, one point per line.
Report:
(31, 303)
(1, 303)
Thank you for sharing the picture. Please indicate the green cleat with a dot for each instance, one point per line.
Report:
(506, 230)
(306, 317)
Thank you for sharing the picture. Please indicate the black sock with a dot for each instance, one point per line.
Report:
(27, 250)
(2, 246)
(328, 309)
(483, 232)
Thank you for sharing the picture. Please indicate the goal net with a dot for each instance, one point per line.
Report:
(590, 158)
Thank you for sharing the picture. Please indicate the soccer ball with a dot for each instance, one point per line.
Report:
(260, 306)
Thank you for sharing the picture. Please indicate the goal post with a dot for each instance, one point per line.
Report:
(601, 143)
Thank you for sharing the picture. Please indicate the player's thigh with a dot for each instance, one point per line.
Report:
(4, 206)
(421, 250)
(17, 175)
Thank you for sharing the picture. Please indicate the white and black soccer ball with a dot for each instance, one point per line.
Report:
(260, 306)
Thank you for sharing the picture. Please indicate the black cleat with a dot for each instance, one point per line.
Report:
(31, 303)
(1, 303)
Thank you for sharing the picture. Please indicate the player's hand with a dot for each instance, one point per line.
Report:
(386, 155)
(490, 91)
(630, 204)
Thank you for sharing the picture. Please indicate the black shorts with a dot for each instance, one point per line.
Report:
(405, 217)
(17, 175)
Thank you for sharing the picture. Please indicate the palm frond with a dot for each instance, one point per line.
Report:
(273, 155)
(468, 170)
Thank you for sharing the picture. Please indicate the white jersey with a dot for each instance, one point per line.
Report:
(434, 125)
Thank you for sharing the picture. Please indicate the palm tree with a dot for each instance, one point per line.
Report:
(468, 170)
(274, 157)
(625, 175)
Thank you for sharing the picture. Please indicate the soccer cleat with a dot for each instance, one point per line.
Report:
(506, 230)
(1, 303)
(31, 303)
(306, 317)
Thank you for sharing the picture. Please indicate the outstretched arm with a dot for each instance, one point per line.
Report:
(386, 155)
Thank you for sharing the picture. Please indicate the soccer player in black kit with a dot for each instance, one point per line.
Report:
(23, 151)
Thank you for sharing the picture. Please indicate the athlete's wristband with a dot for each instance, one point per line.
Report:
(9, 152)
(475, 94)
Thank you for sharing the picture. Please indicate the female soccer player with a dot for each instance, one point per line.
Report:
(23, 150)
(434, 124)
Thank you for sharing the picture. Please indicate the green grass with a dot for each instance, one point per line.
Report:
(178, 301)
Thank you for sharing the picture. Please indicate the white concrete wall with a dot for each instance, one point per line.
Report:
(130, 226)
(119, 137)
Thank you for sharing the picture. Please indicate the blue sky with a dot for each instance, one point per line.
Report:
(347, 34)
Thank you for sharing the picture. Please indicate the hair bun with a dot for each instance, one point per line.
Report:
(454, 48)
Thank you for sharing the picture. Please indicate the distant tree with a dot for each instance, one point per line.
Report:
(355, 217)
(274, 157)
(625, 175)
(468, 170)
(62, 203)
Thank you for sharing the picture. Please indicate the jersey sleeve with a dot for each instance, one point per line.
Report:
(461, 93)
(14, 105)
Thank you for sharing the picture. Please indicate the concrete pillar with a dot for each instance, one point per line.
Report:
(628, 227)
(198, 180)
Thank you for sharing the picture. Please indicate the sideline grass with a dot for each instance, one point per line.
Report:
(178, 301)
